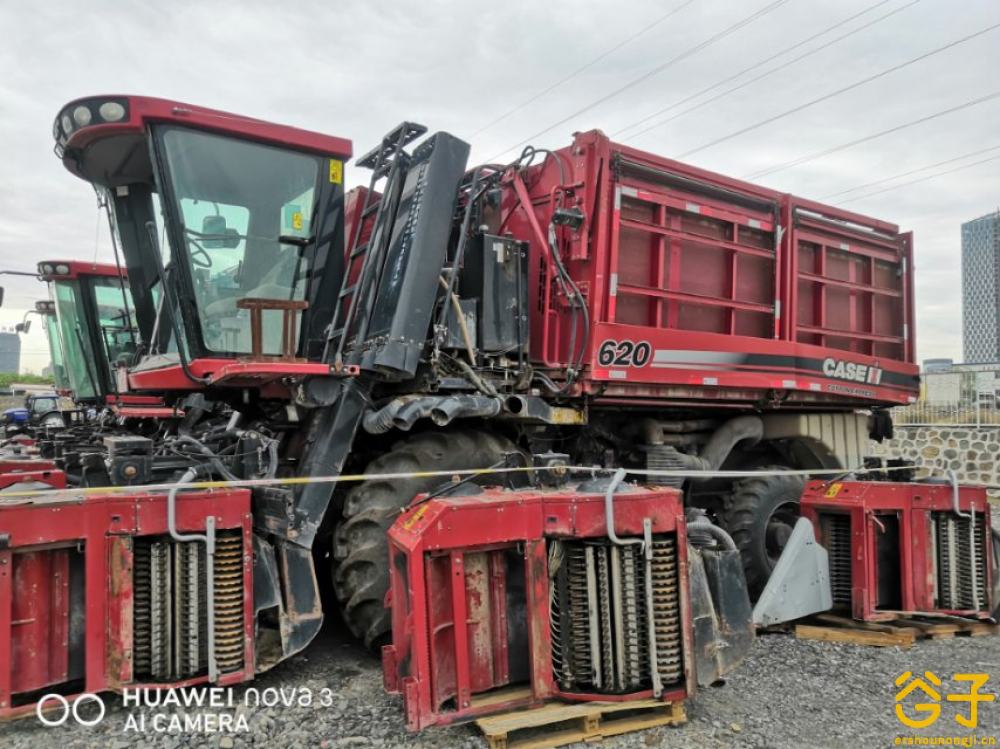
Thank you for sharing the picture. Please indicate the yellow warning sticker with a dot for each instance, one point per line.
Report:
(297, 221)
(415, 517)
(336, 171)
(834, 490)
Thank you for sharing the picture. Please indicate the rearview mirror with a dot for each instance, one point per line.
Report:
(23, 327)
(217, 236)
(1, 296)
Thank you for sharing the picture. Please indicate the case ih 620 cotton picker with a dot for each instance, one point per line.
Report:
(596, 304)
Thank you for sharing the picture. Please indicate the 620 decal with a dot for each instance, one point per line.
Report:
(614, 353)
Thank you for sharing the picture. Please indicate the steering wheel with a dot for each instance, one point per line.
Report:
(200, 258)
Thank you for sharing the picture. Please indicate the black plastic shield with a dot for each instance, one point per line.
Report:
(408, 282)
(721, 613)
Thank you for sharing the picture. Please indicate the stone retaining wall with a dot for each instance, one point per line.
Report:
(973, 453)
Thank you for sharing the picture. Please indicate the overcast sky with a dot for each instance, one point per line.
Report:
(356, 69)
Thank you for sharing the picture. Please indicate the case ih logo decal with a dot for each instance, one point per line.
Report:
(852, 371)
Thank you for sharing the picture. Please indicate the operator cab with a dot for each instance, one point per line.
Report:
(231, 230)
(92, 319)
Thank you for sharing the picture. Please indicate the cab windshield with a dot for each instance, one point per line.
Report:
(243, 213)
(81, 364)
(44, 404)
(90, 354)
(59, 376)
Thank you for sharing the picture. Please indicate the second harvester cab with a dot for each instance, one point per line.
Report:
(94, 323)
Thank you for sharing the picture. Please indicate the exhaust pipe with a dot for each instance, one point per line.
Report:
(403, 412)
(380, 422)
(409, 413)
(464, 407)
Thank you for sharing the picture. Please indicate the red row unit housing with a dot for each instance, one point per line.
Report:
(96, 595)
(904, 548)
(700, 286)
(539, 588)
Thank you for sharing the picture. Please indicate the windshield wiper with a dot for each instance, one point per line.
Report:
(297, 241)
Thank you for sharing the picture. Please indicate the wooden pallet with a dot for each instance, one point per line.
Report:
(559, 723)
(902, 632)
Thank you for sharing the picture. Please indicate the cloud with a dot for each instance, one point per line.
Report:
(356, 69)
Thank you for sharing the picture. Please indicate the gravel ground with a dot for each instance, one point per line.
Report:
(788, 694)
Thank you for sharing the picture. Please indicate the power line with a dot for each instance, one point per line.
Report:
(766, 73)
(873, 136)
(921, 179)
(655, 71)
(582, 68)
(911, 171)
(839, 91)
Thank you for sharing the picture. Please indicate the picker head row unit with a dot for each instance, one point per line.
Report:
(505, 599)
(905, 548)
(103, 592)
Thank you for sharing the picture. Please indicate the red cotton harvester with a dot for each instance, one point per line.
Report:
(608, 305)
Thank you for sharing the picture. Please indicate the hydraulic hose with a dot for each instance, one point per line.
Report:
(217, 464)
(713, 530)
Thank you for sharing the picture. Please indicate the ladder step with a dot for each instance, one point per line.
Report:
(405, 133)
(347, 291)
(335, 334)
(361, 249)
(369, 210)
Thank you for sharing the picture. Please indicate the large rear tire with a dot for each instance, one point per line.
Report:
(760, 515)
(360, 548)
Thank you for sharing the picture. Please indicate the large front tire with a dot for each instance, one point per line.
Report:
(760, 515)
(360, 550)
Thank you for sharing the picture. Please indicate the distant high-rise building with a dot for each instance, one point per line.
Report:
(981, 289)
(10, 352)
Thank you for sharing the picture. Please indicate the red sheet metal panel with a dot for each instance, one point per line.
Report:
(687, 262)
(700, 286)
(849, 285)
(40, 618)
